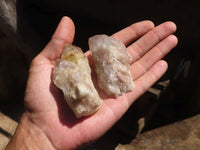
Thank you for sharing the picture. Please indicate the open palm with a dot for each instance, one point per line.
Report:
(47, 108)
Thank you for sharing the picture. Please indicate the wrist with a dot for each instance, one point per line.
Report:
(29, 136)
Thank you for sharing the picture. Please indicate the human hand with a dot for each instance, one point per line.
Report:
(48, 113)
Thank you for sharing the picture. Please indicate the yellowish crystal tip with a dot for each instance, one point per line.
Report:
(74, 57)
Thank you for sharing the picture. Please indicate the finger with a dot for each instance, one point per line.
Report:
(64, 34)
(131, 33)
(143, 83)
(65, 31)
(156, 53)
(150, 39)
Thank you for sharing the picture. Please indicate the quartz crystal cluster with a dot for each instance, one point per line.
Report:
(112, 65)
(72, 74)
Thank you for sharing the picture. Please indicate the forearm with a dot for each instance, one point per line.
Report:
(29, 137)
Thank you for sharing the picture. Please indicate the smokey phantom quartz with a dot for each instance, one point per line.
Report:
(72, 74)
(112, 65)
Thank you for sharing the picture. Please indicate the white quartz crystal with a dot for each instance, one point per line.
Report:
(72, 74)
(112, 65)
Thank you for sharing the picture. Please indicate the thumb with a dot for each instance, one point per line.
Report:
(64, 34)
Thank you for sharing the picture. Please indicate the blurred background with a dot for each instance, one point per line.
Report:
(27, 26)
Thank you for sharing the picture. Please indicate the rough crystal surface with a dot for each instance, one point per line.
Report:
(72, 74)
(112, 65)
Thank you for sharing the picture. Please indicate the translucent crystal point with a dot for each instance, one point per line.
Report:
(72, 74)
(112, 65)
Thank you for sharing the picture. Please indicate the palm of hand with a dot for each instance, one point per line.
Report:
(49, 111)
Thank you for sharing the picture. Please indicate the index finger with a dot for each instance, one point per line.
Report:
(131, 33)
(134, 31)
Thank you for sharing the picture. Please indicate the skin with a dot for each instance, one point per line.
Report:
(48, 123)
